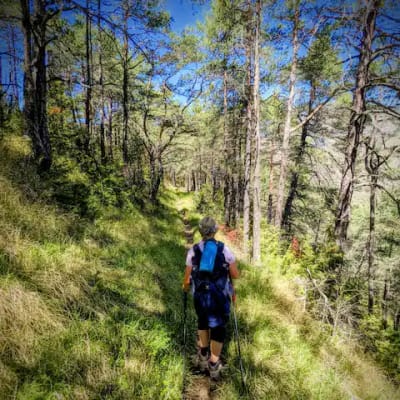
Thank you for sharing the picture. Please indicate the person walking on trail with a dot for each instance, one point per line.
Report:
(209, 266)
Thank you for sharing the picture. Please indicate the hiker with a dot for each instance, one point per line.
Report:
(209, 265)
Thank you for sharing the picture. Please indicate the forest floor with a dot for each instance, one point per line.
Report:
(91, 309)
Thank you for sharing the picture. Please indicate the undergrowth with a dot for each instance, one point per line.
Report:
(91, 309)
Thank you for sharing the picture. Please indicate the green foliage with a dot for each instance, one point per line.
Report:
(207, 202)
(321, 63)
(384, 344)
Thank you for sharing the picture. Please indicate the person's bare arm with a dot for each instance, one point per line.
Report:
(233, 270)
(186, 278)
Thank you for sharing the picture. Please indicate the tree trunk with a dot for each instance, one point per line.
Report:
(125, 86)
(238, 171)
(385, 298)
(110, 131)
(356, 124)
(13, 74)
(249, 134)
(294, 181)
(35, 82)
(88, 99)
(101, 83)
(270, 209)
(2, 97)
(371, 243)
(156, 175)
(396, 320)
(194, 184)
(287, 128)
(227, 189)
(257, 150)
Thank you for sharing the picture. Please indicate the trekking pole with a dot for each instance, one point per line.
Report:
(184, 343)
(236, 330)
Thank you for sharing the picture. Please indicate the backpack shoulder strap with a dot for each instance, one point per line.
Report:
(197, 255)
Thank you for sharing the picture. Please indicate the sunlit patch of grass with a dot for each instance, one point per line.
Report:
(25, 319)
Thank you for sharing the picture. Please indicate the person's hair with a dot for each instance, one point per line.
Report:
(208, 227)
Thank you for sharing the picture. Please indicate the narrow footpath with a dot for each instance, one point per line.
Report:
(198, 387)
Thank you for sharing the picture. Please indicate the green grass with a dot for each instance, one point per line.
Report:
(92, 309)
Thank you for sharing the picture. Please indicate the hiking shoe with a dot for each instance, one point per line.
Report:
(215, 369)
(200, 362)
(203, 362)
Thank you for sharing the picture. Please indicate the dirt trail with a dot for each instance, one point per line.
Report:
(198, 387)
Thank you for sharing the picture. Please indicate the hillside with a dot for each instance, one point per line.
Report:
(91, 309)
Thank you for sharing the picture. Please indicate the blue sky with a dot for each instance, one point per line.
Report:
(185, 12)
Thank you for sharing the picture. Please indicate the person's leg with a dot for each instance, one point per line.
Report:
(203, 336)
(216, 348)
(217, 342)
(204, 340)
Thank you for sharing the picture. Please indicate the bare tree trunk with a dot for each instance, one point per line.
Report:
(110, 131)
(356, 124)
(227, 190)
(35, 81)
(238, 171)
(396, 320)
(70, 94)
(270, 209)
(2, 96)
(125, 85)
(371, 244)
(257, 150)
(88, 99)
(294, 181)
(13, 67)
(156, 175)
(101, 83)
(385, 298)
(194, 183)
(187, 180)
(249, 134)
(287, 128)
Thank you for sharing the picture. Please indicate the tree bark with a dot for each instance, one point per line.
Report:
(270, 206)
(356, 124)
(249, 134)
(2, 97)
(156, 175)
(13, 74)
(227, 189)
(110, 130)
(396, 320)
(371, 243)
(35, 81)
(385, 299)
(125, 85)
(287, 128)
(101, 83)
(257, 150)
(88, 99)
(294, 181)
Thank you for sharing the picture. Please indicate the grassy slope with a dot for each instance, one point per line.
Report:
(92, 310)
